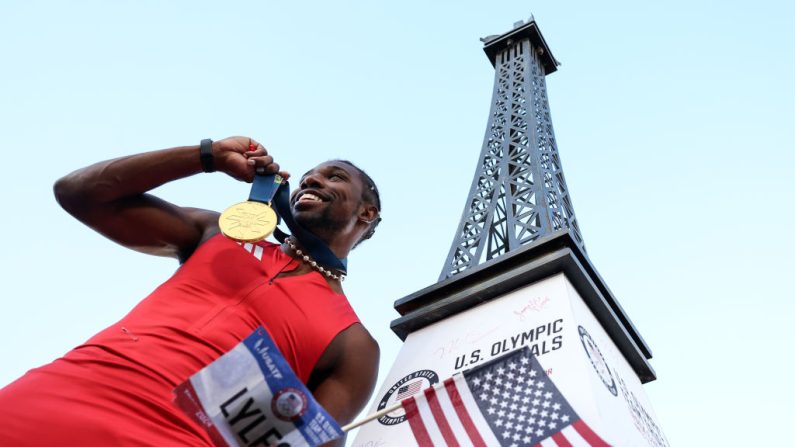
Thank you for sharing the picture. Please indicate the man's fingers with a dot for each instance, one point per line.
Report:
(264, 165)
(257, 159)
(257, 148)
(270, 169)
(260, 152)
(261, 160)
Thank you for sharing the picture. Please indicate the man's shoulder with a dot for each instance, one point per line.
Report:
(202, 217)
(358, 348)
(355, 344)
(360, 337)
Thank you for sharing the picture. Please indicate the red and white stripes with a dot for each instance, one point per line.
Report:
(255, 250)
(448, 415)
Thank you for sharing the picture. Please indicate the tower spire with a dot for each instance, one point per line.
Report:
(519, 193)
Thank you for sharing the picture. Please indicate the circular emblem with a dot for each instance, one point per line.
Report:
(289, 404)
(403, 388)
(247, 221)
(597, 361)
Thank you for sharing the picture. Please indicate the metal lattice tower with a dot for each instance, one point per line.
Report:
(519, 193)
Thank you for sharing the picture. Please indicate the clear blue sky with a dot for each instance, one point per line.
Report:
(673, 122)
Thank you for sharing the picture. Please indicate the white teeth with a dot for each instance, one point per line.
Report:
(310, 197)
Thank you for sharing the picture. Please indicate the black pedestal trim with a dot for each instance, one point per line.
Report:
(554, 254)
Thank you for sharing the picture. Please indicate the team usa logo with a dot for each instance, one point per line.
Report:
(598, 361)
(289, 404)
(403, 388)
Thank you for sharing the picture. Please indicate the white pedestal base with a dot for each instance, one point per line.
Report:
(551, 318)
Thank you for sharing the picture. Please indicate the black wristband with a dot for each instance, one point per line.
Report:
(206, 155)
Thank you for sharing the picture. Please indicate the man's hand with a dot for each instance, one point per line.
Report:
(242, 157)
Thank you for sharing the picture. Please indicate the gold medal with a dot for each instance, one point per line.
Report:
(248, 221)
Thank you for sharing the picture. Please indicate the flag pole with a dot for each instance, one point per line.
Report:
(378, 414)
(375, 415)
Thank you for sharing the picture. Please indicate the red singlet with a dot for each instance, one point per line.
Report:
(116, 389)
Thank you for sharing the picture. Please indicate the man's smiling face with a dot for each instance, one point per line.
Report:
(328, 198)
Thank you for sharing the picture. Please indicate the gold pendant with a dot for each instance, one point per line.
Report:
(247, 221)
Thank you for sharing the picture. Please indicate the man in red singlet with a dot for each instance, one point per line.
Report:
(116, 388)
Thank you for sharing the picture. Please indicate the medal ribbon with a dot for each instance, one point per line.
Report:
(273, 189)
(264, 187)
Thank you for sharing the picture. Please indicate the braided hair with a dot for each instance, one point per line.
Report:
(369, 195)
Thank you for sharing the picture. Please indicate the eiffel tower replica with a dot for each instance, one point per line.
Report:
(519, 193)
(517, 276)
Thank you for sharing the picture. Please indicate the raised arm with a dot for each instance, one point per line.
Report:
(111, 196)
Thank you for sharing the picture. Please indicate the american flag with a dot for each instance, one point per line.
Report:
(508, 402)
(409, 390)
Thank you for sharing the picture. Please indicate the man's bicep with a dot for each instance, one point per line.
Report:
(151, 225)
(346, 390)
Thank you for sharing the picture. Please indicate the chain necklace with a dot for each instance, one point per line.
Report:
(312, 262)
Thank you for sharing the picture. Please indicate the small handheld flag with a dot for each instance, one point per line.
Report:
(509, 401)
